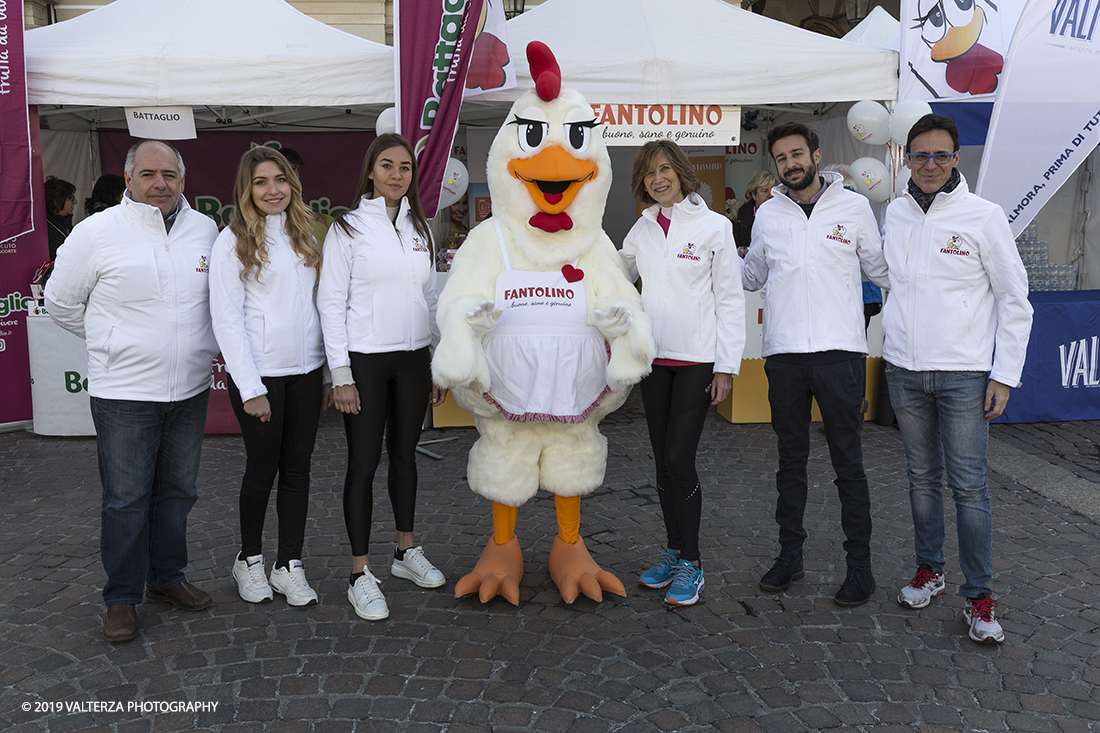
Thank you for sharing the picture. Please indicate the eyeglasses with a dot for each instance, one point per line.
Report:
(921, 159)
(71, 198)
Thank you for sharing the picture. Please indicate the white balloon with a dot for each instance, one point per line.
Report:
(455, 181)
(871, 177)
(905, 115)
(869, 122)
(386, 122)
(901, 183)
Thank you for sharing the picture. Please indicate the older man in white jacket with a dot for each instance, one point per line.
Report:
(956, 328)
(133, 281)
(810, 241)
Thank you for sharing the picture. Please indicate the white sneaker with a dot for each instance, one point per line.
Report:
(415, 567)
(978, 614)
(924, 586)
(251, 581)
(292, 583)
(367, 599)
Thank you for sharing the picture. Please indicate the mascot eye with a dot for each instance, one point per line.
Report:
(579, 136)
(531, 134)
(965, 4)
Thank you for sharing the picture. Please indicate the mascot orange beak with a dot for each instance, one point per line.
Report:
(958, 41)
(553, 177)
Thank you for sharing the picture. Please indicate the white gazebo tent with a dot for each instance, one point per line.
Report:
(252, 63)
(259, 53)
(695, 51)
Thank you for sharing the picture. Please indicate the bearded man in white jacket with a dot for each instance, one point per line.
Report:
(956, 328)
(133, 282)
(810, 242)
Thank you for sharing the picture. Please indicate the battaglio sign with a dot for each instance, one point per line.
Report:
(161, 123)
(685, 124)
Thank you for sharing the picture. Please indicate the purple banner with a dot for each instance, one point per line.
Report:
(433, 45)
(15, 139)
(20, 259)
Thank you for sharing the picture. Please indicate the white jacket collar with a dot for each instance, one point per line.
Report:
(149, 214)
(943, 199)
(377, 207)
(691, 207)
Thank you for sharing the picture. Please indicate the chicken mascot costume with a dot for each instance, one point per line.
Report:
(543, 333)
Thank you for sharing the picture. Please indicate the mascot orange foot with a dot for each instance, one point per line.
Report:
(572, 569)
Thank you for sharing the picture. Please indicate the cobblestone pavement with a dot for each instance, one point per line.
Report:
(740, 660)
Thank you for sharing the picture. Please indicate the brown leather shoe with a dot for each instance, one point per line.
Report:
(120, 622)
(181, 595)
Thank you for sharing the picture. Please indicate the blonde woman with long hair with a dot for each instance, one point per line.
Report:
(264, 271)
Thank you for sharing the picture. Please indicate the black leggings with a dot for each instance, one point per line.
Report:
(283, 445)
(394, 391)
(676, 401)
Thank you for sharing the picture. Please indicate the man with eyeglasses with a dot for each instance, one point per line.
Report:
(956, 326)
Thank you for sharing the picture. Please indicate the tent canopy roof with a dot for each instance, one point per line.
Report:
(877, 29)
(137, 53)
(694, 52)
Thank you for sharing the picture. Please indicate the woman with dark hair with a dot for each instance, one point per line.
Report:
(60, 198)
(263, 289)
(106, 193)
(377, 300)
(691, 291)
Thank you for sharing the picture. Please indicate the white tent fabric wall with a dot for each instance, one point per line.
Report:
(74, 157)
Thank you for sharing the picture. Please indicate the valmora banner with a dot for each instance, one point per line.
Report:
(433, 43)
(954, 50)
(491, 68)
(1046, 119)
(15, 140)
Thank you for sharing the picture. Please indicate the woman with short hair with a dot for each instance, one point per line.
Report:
(691, 291)
(60, 198)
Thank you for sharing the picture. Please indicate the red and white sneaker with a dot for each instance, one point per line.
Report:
(979, 616)
(924, 586)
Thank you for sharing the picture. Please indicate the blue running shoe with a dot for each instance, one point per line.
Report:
(687, 584)
(661, 574)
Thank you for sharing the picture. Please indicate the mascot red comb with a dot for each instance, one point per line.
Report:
(542, 333)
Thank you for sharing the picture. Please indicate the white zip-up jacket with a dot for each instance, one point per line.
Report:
(267, 326)
(139, 296)
(958, 290)
(377, 289)
(812, 269)
(691, 284)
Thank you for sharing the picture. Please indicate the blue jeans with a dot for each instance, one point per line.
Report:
(148, 462)
(943, 426)
(838, 388)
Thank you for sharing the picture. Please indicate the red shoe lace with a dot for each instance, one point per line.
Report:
(983, 608)
(923, 577)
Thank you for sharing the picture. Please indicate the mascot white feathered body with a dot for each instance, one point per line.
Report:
(543, 333)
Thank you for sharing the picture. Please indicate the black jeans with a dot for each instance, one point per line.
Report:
(838, 388)
(283, 445)
(676, 401)
(394, 391)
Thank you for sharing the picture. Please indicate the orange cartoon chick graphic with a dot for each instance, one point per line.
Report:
(951, 29)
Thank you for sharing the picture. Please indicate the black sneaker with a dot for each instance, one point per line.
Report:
(857, 588)
(787, 568)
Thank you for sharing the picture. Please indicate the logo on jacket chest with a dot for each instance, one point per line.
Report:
(955, 247)
(418, 246)
(837, 235)
(204, 264)
(688, 252)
